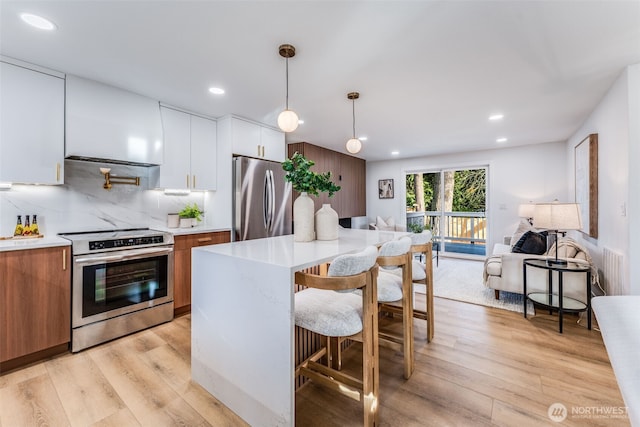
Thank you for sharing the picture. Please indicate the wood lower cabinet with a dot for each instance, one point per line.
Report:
(346, 171)
(182, 264)
(35, 302)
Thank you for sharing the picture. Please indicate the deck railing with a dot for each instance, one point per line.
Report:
(467, 228)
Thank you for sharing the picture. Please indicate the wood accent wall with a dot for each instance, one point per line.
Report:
(348, 172)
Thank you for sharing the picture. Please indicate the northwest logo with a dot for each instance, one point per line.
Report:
(557, 412)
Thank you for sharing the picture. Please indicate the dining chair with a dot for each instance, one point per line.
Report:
(329, 308)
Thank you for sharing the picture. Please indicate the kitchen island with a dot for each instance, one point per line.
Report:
(242, 319)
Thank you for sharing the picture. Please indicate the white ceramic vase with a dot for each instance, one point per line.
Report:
(303, 223)
(173, 220)
(326, 223)
(186, 222)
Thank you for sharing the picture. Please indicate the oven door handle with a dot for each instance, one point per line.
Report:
(124, 257)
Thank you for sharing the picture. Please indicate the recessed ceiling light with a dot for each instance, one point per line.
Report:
(37, 21)
(363, 138)
(216, 90)
(501, 140)
(395, 153)
(496, 117)
(300, 121)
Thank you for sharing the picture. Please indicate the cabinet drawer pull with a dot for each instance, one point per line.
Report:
(64, 260)
(57, 172)
(187, 180)
(204, 239)
(258, 150)
(194, 182)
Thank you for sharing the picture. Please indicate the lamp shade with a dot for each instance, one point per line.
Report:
(557, 216)
(526, 210)
(288, 121)
(354, 145)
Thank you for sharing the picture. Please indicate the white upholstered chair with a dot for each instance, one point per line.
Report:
(421, 243)
(396, 255)
(334, 315)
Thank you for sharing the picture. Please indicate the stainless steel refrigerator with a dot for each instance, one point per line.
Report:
(261, 199)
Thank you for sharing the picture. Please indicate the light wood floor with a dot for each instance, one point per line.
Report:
(485, 367)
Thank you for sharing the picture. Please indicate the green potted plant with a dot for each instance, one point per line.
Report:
(306, 182)
(190, 215)
(416, 228)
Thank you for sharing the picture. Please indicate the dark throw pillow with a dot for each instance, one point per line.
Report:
(531, 243)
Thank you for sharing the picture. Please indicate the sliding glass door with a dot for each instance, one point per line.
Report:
(452, 204)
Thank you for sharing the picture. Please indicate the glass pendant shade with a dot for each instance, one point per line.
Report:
(288, 121)
(354, 145)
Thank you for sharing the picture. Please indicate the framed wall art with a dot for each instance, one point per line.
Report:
(586, 183)
(385, 188)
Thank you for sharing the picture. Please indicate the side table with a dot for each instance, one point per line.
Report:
(557, 301)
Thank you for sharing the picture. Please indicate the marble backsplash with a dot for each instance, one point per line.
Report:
(82, 204)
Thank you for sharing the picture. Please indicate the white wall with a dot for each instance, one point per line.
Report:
(633, 208)
(219, 203)
(516, 175)
(616, 120)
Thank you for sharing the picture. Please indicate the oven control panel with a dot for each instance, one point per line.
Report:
(122, 243)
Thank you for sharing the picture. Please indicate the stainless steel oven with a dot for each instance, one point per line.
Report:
(122, 282)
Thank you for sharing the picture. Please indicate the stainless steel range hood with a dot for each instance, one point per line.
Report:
(109, 124)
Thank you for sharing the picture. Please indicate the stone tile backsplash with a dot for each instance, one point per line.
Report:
(82, 203)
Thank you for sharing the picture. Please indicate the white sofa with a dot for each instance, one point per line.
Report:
(503, 270)
(386, 224)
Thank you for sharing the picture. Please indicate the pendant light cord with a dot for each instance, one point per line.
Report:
(287, 74)
(353, 110)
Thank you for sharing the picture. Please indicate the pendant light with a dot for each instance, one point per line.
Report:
(288, 119)
(354, 145)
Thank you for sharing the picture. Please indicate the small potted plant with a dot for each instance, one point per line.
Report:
(190, 215)
(306, 182)
(416, 228)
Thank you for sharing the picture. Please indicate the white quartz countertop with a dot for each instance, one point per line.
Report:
(35, 243)
(285, 252)
(54, 240)
(190, 230)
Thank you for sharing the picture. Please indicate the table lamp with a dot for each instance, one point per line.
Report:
(558, 218)
(526, 210)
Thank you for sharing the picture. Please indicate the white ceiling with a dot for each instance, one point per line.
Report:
(429, 72)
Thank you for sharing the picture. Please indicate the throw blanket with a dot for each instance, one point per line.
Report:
(567, 244)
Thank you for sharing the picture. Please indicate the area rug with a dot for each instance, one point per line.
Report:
(461, 280)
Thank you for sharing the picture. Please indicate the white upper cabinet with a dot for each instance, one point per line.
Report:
(31, 126)
(175, 172)
(190, 151)
(203, 153)
(254, 140)
(245, 138)
(112, 124)
(273, 144)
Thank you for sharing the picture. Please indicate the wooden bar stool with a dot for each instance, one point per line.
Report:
(396, 254)
(334, 315)
(421, 273)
